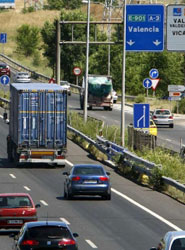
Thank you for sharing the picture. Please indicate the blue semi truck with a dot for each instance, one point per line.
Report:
(38, 123)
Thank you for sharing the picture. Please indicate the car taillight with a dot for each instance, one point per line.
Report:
(76, 178)
(65, 242)
(30, 243)
(171, 117)
(154, 117)
(103, 178)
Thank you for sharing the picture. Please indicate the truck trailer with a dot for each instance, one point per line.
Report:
(99, 92)
(37, 123)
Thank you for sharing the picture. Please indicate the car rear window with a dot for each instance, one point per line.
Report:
(14, 201)
(162, 112)
(50, 232)
(88, 171)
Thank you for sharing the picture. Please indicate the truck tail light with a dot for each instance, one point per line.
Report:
(60, 157)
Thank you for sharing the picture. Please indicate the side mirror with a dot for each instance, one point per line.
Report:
(37, 205)
(107, 173)
(65, 173)
(75, 235)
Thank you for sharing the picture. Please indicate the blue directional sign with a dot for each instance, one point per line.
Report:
(147, 83)
(154, 73)
(145, 27)
(4, 79)
(3, 37)
(141, 115)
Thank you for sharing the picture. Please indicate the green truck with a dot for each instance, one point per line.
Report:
(99, 92)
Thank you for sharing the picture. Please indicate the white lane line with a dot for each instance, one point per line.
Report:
(91, 243)
(27, 188)
(69, 163)
(168, 140)
(13, 176)
(65, 221)
(44, 203)
(147, 210)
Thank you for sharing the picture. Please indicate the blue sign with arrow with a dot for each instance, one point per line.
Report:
(147, 83)
(154, 73)
(141, 115)
(3, 37)
(4, 79)
(145, 27)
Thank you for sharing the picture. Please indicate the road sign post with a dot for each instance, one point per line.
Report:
(145, 28)
(147, 83)
(3, 40)
(77, 71)
(141, 115)
(4, 79)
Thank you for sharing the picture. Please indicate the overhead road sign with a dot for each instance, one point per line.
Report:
(7, 4)
(147, 83)
(175, 28)
(145, 27)
(141, 115)
(154, 73)
(4, 79)
(176, 88)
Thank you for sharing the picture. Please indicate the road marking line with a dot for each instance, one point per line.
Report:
(69, 163)
(168, 140)
(13, 176)
(44, 203)
(64, 220)
(147, 210)
(91, 243)
(27, 188)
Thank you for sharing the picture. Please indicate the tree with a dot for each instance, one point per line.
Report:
(28, 39)
(67, 4)
(71, 55)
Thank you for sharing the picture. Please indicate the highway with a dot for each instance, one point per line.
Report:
(135, 218)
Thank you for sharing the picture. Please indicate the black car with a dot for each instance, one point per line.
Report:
(53, 235)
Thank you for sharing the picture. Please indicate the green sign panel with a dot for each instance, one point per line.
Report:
(136, 18)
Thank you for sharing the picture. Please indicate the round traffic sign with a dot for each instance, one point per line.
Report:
(77, 71)
(154, 73)
(147, 83)
(4, 79)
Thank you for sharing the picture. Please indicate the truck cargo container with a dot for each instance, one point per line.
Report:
(38, 123)
(99, 92)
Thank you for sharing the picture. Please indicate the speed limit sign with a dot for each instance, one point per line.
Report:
(77, 71)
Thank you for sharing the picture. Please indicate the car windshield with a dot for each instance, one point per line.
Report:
(14, 202)
(2, 66)
(162, 112)
(22, 74)
(88, 171)
(49, 232)
(178, 244)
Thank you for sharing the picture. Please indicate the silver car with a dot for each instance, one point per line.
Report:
(163, 117)
(22, 77)
(66, 86)
(173, 240)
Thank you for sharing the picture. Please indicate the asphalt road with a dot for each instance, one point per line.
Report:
(167, 137)
(135, 218)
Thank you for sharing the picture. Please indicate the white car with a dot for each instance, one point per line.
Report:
(115, 96)
(66, 86)
(22, 77)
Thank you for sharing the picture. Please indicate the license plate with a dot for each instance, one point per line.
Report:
(15, 221)
(90, 181)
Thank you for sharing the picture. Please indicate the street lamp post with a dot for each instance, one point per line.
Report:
(123, 77)
(87, 62)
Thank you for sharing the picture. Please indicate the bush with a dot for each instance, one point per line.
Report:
(140, 99)
(181, 108)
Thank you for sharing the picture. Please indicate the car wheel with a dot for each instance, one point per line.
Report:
(65, 194)
(108, 197)
(171, 125)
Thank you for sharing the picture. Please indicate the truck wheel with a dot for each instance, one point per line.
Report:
(90, 108)
(110, 109)
(106, 108)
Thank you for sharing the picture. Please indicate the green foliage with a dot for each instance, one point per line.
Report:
(67, 4)
(28, 39)
(181, 107)
(156, 179)
(28, 10)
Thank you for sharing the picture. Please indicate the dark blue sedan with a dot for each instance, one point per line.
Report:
(87, 179)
